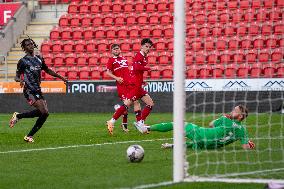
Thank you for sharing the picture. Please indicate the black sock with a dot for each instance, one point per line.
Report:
(31, 114)
(39, 122)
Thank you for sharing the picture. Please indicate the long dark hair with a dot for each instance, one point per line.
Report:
(23, 43)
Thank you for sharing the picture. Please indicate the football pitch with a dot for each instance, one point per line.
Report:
(74, 150)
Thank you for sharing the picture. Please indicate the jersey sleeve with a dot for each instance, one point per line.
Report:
(20, 68)
(243, 135)
(109, 65)
(220, 121)
(43, 64)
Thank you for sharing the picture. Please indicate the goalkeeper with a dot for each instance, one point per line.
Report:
(224, 130)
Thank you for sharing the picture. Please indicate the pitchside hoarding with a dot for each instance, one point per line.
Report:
(272, 84)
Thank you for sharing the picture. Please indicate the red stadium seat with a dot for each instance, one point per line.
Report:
(117, 6)
(200, 17)
(212, 17)
(241, 29)
(221, 43)
(155, 72)
(209, 5)
(100, 32)
(58, 60)
(280, 3)
(271, 42)
(62, 71)
(66, 33)
(225, 57)
(75, 20)
(162, 6)
(139, 6)
(170, 45)
(171, 6)
(48, 77)
(246, 43)
(266, 28)
(213, 57)
(200, 57)
(104, 58)
(93, 59)
(122, 32)
(88, 33)
(230, 71)
(91, 45)
(97, 20)
(165, 58)
(167, 72)
(80, 46)
(233, 43)
(243, 71)
(102, 45)
(237, 16)
(57, 47)
(95, 73)
(281, 42)
(258, 42)
(205, 71)
(269, 70)
(253, 29)
(217, 30)
(166, 18)
(160, 45)
(77, 33)
(142, 18)
(251, 56)
(145, 31)
(48, 59)
(189, 17)
(256, 4)
(238, 57)
(86, 20)
(126, 45)
(108, 19)
(280, 70)
(279, 28)
(264, 56)
(136, 45)
(232, 5)
(134, 32)
(256, 70)
(46, 46)
(128, 6)
(64, 20)
(261, 15)
(189, 58)
(111, 32)
(95, 7)
(204, 30)
(151, 6)
(224, 16)
(152, 57)
(275, 14)
(218, 71)
(169, 31)
(197, 44)
(154, 19)
(192, 30)
(84, 7)
(68, 46)
(106, 6)
(82, 59)
(70, 59)
(192, 72)
(229, 30)
(221, 5)
(131, 19)
(73, 7)
(84, 73)
(55, 33)
(277, 55)
(157, 31)
(119, 19)
(244, 4)
(72, 73)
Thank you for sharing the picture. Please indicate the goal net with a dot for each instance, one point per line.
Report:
(230, 59)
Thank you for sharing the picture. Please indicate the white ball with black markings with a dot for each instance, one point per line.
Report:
(135, 153)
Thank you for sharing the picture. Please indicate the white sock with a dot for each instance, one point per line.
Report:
(112, 120)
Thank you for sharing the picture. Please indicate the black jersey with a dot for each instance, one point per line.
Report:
(30, 67)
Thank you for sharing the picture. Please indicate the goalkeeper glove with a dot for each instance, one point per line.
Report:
(251, 144)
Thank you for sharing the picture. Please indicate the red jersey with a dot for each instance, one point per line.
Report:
(119, 67)
(139, 66)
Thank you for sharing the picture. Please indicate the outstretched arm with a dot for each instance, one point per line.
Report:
(118, 79)
(52, 73)
(249, 145)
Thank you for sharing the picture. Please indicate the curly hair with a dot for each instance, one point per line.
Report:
(23, 43)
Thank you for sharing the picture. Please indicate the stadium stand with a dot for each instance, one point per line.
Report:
(224, 39)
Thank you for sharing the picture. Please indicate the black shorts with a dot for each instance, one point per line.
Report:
(32, 96)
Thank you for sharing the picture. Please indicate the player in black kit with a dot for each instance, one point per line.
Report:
(29, 75)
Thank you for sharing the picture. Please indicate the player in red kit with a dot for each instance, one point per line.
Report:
(135, 89)
(117, 68)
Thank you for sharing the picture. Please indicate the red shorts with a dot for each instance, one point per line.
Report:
(135, 92)
(122, 91)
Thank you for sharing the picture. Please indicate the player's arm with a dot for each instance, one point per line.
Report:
(118, 79)
(249, 145)
(246, 143)
(137, 66)
(19, 71)
(211, 124)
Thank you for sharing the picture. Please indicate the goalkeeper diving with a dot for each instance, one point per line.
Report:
(223, 131)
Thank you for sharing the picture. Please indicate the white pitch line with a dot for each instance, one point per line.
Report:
(82, 145)
(249, 173)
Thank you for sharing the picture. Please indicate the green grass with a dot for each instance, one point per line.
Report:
(87, 165)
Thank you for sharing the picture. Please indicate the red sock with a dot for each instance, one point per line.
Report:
(124, 118)
(138, 115)
(119, 112)
(145, 112)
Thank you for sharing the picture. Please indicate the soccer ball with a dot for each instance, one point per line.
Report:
(135, 153)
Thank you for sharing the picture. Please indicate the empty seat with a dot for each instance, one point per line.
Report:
(102, 45)
(100, 32)
(230, 71)
(80, 46)
(46, 46)
(246, 42)
(95, 73)
(73, 7)
(267, 28)
(258, 42)
(117, 6)
(271, 42)
(64, 20)
(82, 59)
(189, 58)
(264, 56)
(88, 33)
(233, 43)
(152, 57)
(204, 30)
(122, 32)
(125, 45)
(205, 71)
(154, 19)
(72, 73)
(97, 20)
(68, 46)
(165, 58)
(91, 45)
(77, 33)
(119, 19)
(229, 29)
(167, 72)
(243, 71)
(217, 30)
(75, 20)
(48, 57)
(86, 20)
(277, 55)
(200, 17)
(269, 70)
(218, 71)
(55, 33)
(93, 59)
(157, 31)
(84, 7)
(151, 6)
(196, 44)
(146, 31)
(136, 45)
(200, 57)
(84, 73)
(139, 6)
(209, 43)
(104, 58)
(224, 16)
(225, 57)
(62, 71)
(162, 6)
(95, 7)
(66, 33)
(131, 19)
(56, 46)
(160, 45)
(134, 32)
(58, 60)
(192, 72)
(106, 6)
(280, 70)
(166, 18)
(221, 43)
(155, 72)
(261, 15)
(251, 56)
(256, 70)
(169, 31)
(213, 57)
(279, 28)
(128, 6)
(111, 32)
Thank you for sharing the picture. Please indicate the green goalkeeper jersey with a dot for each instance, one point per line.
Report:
(225, 131)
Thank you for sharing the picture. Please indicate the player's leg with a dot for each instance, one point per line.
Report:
(161, 127)
(137, 110)
(40, 105)
(119, 112)
(124, 124)
(148, 108)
